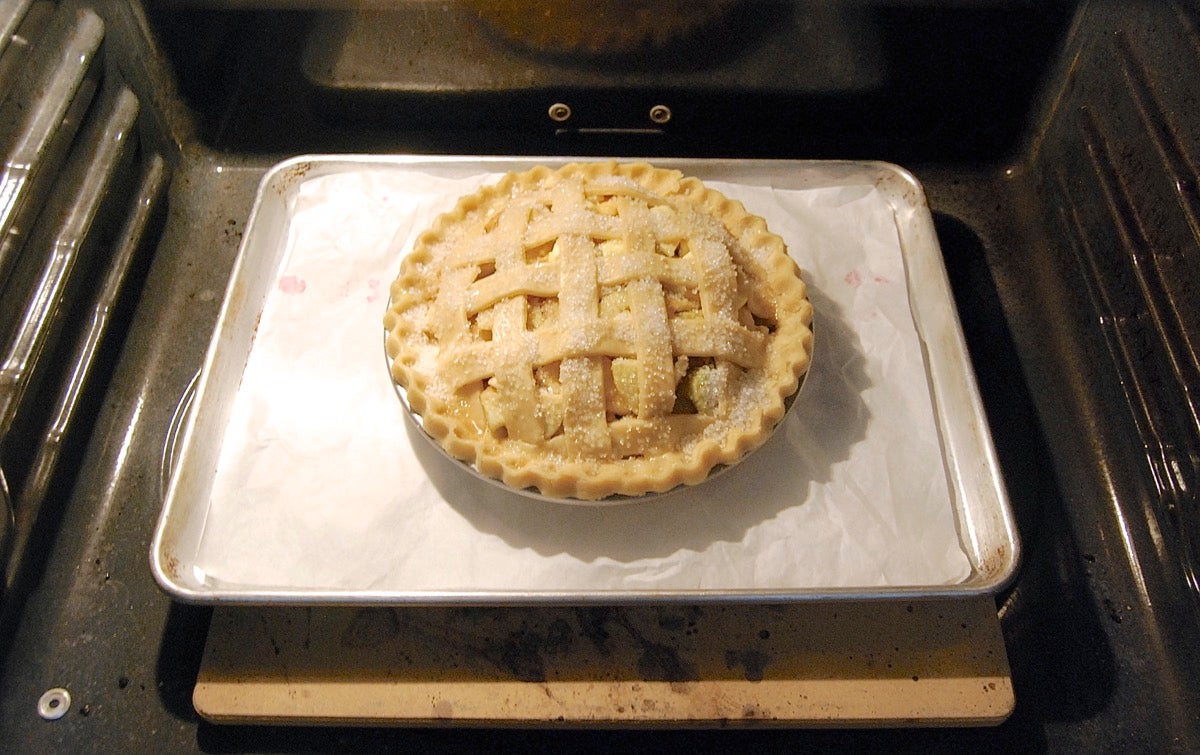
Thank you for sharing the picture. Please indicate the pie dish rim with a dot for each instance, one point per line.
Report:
(578, 485)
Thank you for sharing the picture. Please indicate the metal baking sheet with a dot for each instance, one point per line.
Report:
(196, 546)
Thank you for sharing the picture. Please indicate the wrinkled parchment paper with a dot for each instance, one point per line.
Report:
(325, 484)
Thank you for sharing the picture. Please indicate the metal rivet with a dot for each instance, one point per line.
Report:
(54, 704)
(559, 112)
(660, 114)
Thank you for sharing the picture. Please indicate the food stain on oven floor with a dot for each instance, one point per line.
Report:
(676, 645)
(523, 653)
(754, 662)
(656, 661)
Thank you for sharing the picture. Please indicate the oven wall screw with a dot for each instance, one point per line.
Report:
(54, 704)
(559, 112)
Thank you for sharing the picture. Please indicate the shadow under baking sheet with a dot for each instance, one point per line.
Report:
(828, 417)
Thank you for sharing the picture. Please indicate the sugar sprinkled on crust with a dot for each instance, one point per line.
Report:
(682, 255)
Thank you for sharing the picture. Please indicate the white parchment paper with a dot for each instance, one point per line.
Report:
(324, 483)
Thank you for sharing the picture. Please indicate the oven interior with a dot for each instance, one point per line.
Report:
(1058, 143)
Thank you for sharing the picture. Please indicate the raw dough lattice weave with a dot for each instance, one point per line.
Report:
(600, 329)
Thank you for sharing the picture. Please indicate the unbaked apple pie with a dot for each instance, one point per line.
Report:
(598, 330)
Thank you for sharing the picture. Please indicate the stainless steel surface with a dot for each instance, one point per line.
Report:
(29, 23)
(986, 528)
(81, 360)
(11, 15)
(38, 120)
(62, 238)
(74, 213)
(8, 524)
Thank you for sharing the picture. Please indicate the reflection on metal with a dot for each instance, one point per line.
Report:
(7, 524)
(11, 14)
(104, 148)
(38, 120)
(83, 357)
(175, 434)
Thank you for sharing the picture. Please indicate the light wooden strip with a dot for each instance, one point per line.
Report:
(859, 664)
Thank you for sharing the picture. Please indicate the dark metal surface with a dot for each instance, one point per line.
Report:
(69, 156)
(1069, 227)
(38, 119)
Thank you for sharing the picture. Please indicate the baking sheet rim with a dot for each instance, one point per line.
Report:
(166, 564)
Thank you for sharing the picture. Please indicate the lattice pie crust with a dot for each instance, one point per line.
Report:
(601, 329)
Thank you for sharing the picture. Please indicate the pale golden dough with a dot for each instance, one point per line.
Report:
(597, 330)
